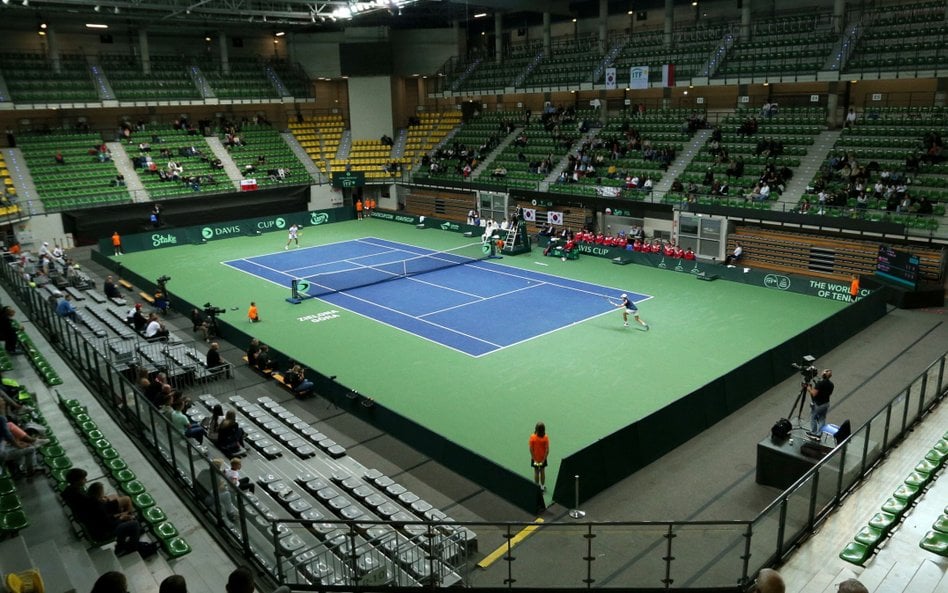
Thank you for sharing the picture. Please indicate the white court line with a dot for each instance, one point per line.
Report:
(482, 299)
(445, 328)
(350, 260)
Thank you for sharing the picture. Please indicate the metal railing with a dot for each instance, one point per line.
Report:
(322, 553)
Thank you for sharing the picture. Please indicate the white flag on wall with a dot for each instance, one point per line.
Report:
(554, 217)
(610, 79)
(530, 214)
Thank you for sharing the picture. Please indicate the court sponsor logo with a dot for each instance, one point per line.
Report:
(396, 218)
(594, 249)
(318, 218)
(157, 240)
(450, 226)
(320, 317)
(269, 224)
(776, 281)
(834, 291)
(219, 231)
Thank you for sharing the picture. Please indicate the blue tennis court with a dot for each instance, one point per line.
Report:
(454, 298)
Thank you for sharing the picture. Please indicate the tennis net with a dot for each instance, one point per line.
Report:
(369, 274)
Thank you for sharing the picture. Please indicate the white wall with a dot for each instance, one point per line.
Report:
(45, 227)
(422, 51)
(370, 106)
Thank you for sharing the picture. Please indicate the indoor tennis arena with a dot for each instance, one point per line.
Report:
(413, 294)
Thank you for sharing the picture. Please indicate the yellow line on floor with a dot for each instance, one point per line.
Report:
(516, 539)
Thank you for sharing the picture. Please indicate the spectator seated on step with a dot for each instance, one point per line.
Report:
(119, 181)
(144, 147)
(264, 361)
(295, 379)
(65, 308)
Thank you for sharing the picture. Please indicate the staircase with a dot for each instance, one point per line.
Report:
(276, 81)
(607, 60)
(518, 82)
(233, 173)
(200, 81)
(842, 50)
(345, 145)
(27, 197)
(717, 57)
(124, 165)
(101, 81)
(398, 149)
(809, 166)
(485, 164)
(303, 157)
(560, 165)
(681, 163)
(467, 72)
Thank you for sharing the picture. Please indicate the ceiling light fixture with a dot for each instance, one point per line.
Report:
(116, 10)
(96, 26)
(97, 8)
(280, 33)
(26, 2)
(43, 26)
(480, 15)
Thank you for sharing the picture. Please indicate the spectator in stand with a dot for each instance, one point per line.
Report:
(851, 118)
(770, 581)
(212, 423)
(135, 319)
(102, 516)
(234, 477)
(735, 256)
(155, 330)
(185, 426)
(296, 380)
(214, 360)
(852, 586)
(64, 307)
(173, 584)
(199, 323)
(60, 160)
(230, 436)
(110, 582)
(263, 359)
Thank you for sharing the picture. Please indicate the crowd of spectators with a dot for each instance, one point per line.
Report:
(845, 182)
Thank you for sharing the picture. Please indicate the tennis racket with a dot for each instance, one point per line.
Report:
(612, 302)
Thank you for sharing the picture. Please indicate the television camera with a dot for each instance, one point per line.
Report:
(809, 372)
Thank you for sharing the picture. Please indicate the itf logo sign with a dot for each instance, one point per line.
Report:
(638, 77)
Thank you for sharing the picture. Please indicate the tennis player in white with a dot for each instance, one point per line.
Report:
(294, 236)
(627, 307)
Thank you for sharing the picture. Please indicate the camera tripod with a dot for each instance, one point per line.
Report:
(799, 403)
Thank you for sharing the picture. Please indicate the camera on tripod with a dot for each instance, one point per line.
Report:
(807, 370)
(212, 311)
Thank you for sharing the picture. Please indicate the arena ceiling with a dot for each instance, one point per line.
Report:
(302, 15)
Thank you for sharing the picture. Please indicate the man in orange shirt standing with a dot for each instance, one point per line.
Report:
(252, 313)
(854, 288)
(539, 451)
(358, 209)
(117, 243)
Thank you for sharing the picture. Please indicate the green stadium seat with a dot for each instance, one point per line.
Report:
(935, 542)
(13, 521)
(154, 515)
(176, 547)
(856, 553)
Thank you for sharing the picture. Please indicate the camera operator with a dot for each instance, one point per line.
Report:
(820, 400)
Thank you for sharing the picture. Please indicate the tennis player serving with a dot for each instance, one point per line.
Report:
(627, 307)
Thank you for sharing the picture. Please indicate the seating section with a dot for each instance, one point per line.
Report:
(544, 142)
(569, 63)
(431, 130)
(373, 158)
(659, 136)
(262, 140)
(902, 37)
(497, 74)
(39, 362)
(889, 147)
(31, 78)
(8, 195)
(118, 472)
(81, 181)
(898, 506)
(332, 488)
(818, 255)
(168, 78)
(319, 136)
(479, 135)
(689, 52)
(246, 79)
(198, 175)
(770, 153)
(802, 51)
(293, 77)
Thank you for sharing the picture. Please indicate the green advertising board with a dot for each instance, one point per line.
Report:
(171, 237)
(818, 287)
(348, 179)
